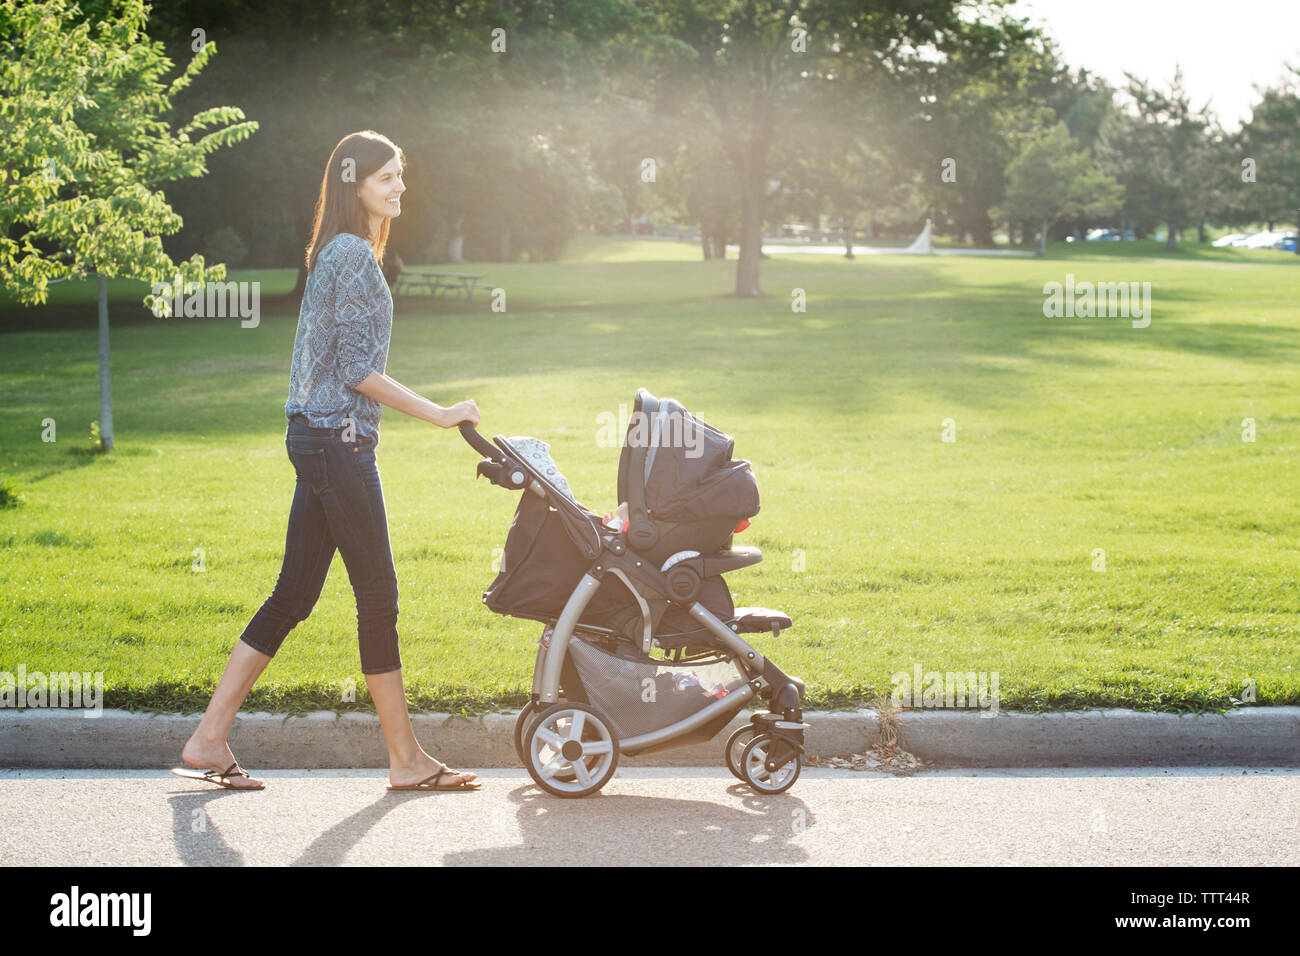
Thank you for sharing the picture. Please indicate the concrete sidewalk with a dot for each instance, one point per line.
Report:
(1256, 736)
(1148, 817)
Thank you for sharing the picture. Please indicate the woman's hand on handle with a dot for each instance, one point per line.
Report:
(465, 411)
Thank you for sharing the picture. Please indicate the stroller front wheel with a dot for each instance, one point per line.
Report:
(571, 750)
(757, 757)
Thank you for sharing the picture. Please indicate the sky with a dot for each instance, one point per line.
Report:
(1224, 46)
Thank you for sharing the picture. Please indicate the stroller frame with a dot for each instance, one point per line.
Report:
(761, 674)
(775, 738)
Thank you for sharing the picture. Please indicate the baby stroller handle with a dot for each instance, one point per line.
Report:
(496, 466)
(479, 443)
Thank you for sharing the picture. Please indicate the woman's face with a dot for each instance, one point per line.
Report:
(381, 192)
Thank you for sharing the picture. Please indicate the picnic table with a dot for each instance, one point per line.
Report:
(415, 279)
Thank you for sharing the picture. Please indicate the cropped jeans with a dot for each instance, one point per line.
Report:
(338, 504)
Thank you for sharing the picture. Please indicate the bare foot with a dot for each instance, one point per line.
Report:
(207, 755)
(404, 775)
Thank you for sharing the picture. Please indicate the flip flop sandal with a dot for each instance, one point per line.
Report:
(426, 785)
(216, 776)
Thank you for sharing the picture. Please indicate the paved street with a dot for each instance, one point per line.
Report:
(660, 816)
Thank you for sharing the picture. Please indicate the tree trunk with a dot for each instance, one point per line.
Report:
(1270, 226)
(456, 246)
(753, 197)
(719, 245)
(1171, 240)
(869, 229)
(751, 240)
(105, 386)
(850, 228)
(631, 201)
(706, 242)
(1042, 239)
(1200, 232)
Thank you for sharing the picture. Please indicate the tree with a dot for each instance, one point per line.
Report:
(491, 122)
(1271, 139)
(87, 147)
(980, 101)
(843, 155)
(1157, 151)
(1215, 198)
(711, 199)
(1052, 177)
(753, 63)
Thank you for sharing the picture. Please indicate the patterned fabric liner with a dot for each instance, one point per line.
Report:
(537, 455)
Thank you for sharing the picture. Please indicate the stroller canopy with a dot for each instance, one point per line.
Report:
(679, 468)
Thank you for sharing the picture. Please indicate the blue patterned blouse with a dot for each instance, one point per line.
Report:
(343, 331)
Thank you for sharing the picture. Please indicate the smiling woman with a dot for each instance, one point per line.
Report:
(376, 164)
(337, 390)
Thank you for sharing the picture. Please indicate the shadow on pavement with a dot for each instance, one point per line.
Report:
(198, 841)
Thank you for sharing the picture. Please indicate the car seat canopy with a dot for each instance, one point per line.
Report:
(681, 467)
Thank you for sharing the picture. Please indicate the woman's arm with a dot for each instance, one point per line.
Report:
(390, 392)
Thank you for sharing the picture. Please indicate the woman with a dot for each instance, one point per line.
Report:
(337, 389)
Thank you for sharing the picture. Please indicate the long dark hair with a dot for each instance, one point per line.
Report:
(338, 209)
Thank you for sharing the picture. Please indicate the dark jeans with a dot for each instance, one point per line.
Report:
(337, 504)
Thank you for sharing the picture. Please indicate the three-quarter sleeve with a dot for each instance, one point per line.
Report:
(357, 301)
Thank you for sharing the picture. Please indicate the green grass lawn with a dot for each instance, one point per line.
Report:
(889, 546)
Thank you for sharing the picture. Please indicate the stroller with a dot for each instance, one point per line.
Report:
(641, 650)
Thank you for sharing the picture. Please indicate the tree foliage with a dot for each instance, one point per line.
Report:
(1053, 177)
(88, 145)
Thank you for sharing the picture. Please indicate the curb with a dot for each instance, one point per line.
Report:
(1263, 736)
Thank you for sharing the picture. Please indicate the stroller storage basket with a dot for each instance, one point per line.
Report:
(641, 694)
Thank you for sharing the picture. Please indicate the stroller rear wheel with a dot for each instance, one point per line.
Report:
(525, 717)
(757, 757)
(736, 748)
(571, 750)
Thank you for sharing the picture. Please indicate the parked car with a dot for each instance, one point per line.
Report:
(1109, 235)
(1228, 240)
(1286, 243)
(1261, 240)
